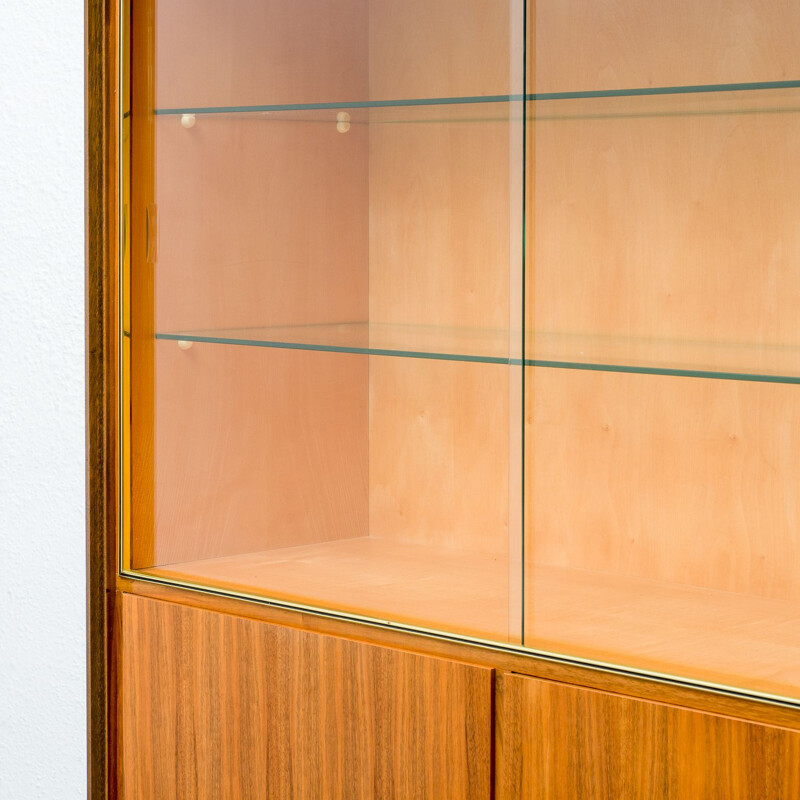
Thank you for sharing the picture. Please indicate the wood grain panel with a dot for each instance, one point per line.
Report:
(439, 453)
(220, 707)
(627, 43)
(679, 480)
(632, 686)
(356, 721)
(556, 741)
(194, 704)
(669, 223)
(438, 48)
(443, 231)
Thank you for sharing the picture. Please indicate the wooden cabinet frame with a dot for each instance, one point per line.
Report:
(101, 176)
(103, 583)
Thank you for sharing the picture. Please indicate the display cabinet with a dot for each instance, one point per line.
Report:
(444, 418)
(472, 319)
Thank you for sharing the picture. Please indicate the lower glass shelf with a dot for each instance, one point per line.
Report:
(703, 634)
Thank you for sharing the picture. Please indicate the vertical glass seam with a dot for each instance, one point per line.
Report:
(524, 310)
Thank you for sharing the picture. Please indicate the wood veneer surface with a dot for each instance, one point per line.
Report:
(193, 704)
(220, 707)
(440, 48)
(140, 283)
(582, 46)
(439, 453)
(102, 437)
(680, 480)
(559, 742)
(710, 635)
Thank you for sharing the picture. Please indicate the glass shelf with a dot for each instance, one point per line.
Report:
(725, 98)
(496, 108)
(408, 341)
(720, 360)
(651, 356)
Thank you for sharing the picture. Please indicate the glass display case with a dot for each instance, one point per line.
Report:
(472, 318)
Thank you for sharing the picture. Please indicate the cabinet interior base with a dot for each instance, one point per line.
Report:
(706, 634)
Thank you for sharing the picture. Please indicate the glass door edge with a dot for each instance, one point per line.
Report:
(608, 667)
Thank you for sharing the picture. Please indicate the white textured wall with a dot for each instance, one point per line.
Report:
(42, 574)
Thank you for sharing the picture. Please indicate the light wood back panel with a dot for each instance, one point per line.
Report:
(675, 233)
(583, 45)
(442, 233)
(438, 48)
(560, 742)
(681, 480)
(663, 233)
(439, 219)
(438, 465)
(214, 706)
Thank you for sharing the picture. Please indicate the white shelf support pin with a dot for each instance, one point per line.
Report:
(342, 122)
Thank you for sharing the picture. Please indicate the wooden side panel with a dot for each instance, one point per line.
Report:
(559, 742)
(257, 52)
(141, 276)
(245, 221)
(221, 707)
(257, 448)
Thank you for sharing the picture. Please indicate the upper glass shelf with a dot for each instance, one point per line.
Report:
(755, 97)
(744, 361)
(410, 341)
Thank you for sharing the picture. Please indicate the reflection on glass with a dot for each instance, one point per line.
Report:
(662, 340)
(327, 204)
